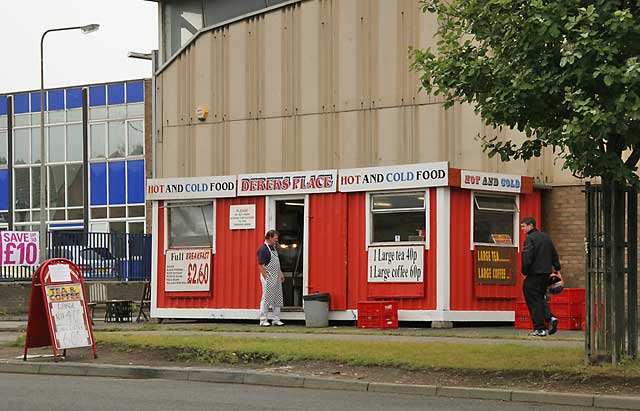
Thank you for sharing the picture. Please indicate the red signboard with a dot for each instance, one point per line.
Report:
(495, 265)
(58, 312)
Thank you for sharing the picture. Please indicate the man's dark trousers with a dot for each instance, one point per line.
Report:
(534, 290)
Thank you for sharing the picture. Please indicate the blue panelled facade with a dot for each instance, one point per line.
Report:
(116, 158)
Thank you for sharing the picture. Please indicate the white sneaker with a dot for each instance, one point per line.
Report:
(264, 323)
(277, 323)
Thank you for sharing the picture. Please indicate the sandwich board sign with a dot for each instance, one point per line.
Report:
(58, 312)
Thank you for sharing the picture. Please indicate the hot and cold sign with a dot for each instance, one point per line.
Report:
(19, 248)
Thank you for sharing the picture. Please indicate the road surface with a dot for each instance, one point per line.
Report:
(22, 392)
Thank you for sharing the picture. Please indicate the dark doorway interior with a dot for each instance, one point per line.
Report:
(290, 225)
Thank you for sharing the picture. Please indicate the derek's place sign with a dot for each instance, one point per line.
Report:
(396, 264)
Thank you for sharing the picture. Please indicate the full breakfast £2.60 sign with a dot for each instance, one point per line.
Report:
(19, 248)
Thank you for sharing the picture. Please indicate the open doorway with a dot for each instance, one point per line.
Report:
(290, 224)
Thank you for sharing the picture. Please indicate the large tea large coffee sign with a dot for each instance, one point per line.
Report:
(403, 264)
(495, 265)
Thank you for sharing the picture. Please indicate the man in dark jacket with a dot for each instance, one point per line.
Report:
(539, 260)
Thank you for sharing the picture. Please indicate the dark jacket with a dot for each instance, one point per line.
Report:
(539, 256)
(264, 255)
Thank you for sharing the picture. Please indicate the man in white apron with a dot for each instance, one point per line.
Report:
(271, 278)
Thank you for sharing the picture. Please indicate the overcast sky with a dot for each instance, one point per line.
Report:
(73, 58)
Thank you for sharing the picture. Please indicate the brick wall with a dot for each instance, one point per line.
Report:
(563, 220)
(14, 297)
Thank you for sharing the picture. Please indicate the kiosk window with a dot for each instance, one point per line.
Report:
(493, 217)
(398, 217)
(190, 225)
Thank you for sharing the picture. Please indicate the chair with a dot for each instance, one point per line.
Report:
(97, 296)
(145, 301)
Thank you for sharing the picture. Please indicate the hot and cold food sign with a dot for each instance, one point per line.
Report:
(394, 177)
(190, 188)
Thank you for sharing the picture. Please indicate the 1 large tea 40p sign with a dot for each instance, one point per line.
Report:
(19, 248)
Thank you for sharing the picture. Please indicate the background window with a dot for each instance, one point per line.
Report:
(116, 139)
(396, 215)
(74, 142)
(136, 138)
(74, 182)
(21, 146)
(35, 145)
(56, 144)
(98, 141)
(35, 187)
(3, 148)
(191, 226)
(493, 215)
(22, 193)
(56, 187)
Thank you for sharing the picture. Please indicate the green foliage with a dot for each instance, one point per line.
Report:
(564, 72)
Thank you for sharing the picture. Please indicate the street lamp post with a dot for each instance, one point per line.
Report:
(90, 28)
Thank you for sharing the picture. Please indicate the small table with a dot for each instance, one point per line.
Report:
(119, 311)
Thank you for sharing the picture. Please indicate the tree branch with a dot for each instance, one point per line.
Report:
(633, 158)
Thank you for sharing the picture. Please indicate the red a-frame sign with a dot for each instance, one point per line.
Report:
(58, 312)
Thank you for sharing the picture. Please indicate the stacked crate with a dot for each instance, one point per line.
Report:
(377, 314)
(568, 307)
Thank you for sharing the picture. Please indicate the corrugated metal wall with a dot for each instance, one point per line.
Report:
(358, 287)
(235, 273)
(318, 84)
(328, 247)
(462, 268)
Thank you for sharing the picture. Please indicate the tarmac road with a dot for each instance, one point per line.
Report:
(22, 392)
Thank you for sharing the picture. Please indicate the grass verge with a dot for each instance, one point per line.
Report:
(409, 355)
(341, 331)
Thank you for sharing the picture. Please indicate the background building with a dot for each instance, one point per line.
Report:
(118, 135)
(321, 84)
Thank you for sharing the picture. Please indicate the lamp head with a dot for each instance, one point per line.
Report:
(90, 28)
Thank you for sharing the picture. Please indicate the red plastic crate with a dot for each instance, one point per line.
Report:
(377, 308)
(523, 322)
(377, 321)
(570, 295)
(522, 309)
(571, 323)
(562, 309)
(377, 314)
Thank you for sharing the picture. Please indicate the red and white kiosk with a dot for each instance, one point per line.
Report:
(443, 243)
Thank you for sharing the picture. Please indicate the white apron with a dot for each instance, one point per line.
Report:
(272, 287)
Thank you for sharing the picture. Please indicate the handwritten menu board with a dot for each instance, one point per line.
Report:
(68, 317)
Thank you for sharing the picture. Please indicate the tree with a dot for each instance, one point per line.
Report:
(566, 73)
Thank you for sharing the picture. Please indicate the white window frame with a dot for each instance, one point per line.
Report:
(167, 205)
(369, 220)
(516, 219)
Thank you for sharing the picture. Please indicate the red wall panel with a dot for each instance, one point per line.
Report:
(357, 263)
(328, 247)
(463, 296)
(235, 272)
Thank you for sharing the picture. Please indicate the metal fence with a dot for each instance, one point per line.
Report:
(611, 280)
(100, 256)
